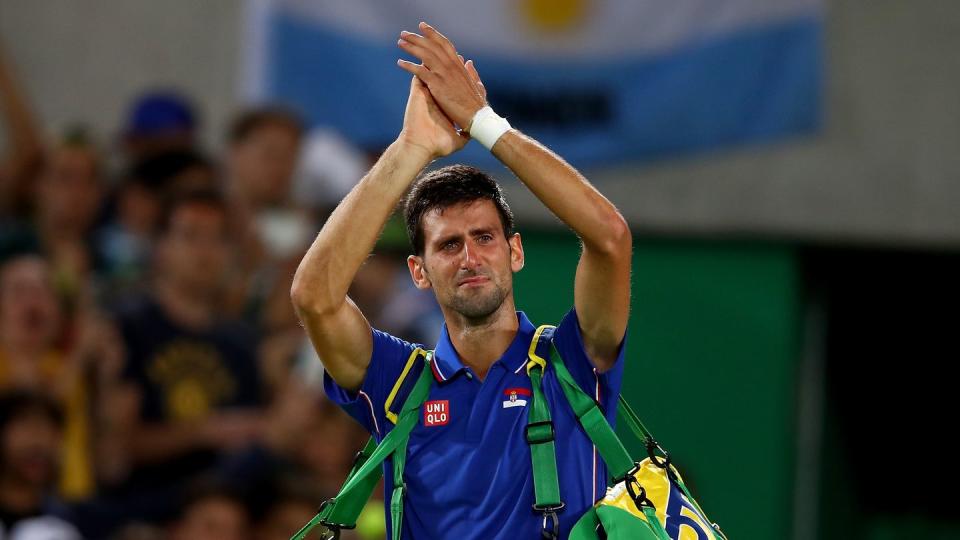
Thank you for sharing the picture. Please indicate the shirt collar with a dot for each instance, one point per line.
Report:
(447, 363)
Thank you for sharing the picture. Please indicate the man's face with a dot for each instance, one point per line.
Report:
(263, 163)
(193, 250)
(212, 519)
(466, 258)
(29, 311)
(70, 190)
(31, 446)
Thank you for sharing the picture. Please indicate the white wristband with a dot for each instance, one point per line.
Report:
(487, 127)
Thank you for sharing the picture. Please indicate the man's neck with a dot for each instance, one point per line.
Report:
(481, 343)
(191, 309)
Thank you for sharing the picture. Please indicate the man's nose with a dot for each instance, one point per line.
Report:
(469, 259)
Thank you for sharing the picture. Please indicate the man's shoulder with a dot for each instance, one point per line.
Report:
(566, 332)
(386, 343)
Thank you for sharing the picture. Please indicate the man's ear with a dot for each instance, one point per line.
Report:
(516, 253)
(417, 272)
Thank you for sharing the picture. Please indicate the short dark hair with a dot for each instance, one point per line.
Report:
(156, 172)
(203, 197)
(208, 488)
(445, 187)
(253, 119)
(17, 404)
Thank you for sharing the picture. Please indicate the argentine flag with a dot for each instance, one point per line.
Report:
(601, 82)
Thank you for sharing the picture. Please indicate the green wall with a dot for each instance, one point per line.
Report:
(711, 360)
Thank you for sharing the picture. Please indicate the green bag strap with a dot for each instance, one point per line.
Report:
(342, 511)
(592, 420)
(606, 440)
(641, 432)
(399, 490)
(539, 434)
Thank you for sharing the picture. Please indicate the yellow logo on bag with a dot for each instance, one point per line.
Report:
(677, 515)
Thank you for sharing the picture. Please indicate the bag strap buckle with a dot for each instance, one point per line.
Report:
(538, 437)
(333, 529)
(638, 493)
(551, 530)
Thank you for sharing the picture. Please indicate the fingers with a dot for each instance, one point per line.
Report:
(430, 47)
(414, 38)
(438, 38)
(414, 69)
(472, 70)
(424, 51)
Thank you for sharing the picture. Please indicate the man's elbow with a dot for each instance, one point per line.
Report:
(307, 299)
(300, 295)
(618, 240)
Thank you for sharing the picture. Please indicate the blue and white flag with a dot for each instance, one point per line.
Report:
(599, 81)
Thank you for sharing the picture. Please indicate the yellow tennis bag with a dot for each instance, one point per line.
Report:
(647, 500)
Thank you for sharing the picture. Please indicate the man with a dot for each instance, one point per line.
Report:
(158, 121)
(125, 242)
(194, 369)
(212, 512)
(31, 432)
(32, 359)
(468, 472)
(263, 147)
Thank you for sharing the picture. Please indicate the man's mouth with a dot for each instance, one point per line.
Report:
(473, 280)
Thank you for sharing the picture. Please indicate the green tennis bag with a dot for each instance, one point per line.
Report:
(647, 500)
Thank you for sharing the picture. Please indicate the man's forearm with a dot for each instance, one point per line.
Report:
(24, 139)
(564, 191)
(349, 235)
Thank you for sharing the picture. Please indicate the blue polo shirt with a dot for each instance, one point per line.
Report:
(468, 469)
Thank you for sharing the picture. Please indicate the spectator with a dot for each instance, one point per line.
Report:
(68, 198)
(263, 146)
(125, 242)
(212, 513)
(31, 428)
(158, 122)
(30, 359)
(293, 504)
(193, 368)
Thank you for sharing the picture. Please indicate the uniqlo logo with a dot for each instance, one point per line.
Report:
(436, 413)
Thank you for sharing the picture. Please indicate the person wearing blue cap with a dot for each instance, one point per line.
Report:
(157, 122)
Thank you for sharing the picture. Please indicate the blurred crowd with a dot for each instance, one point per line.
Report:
(154, 380)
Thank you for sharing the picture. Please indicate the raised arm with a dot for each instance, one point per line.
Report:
(25, 146)
(602, 287)
(338, 330)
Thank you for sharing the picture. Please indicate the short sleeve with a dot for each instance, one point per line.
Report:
(366, 405)
(604, 387)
